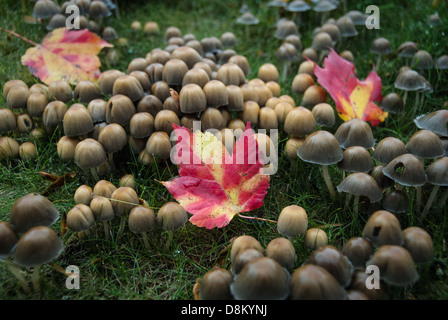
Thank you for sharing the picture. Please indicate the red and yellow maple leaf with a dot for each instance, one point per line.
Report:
(353, 97)
(214, 185)
(66, 55)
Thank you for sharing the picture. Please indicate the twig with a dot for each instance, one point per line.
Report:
(19, 36)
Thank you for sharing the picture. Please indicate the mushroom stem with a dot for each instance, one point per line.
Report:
(95, 175)
(16, 272)
(106, 229)
(418, 198)
(348, 197)
(146, 240)
(356, 206)
(378, 62)
(431, 198)
(285, 69)
(122, 224)
(111, 160)
(405, 97)
(417, 100)
(327, 179)
(168, 241)
(35, 277)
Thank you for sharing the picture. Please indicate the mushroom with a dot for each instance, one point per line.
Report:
(90, 154)
(244, 242)
(281, 250)
(358, 250)
(383, 228)
(32, 210)
(171, 217)
(83, 195)
(287, 53)
(355, 159)
(44, 9)
(324, 7)
(324, 114)
(103, 211)
(437, 175)
(261, 279)
(113, 138)
(395, 265)
(80, 219)
(313, 95)
(292, 221)
(215, 285)
(355, 132)
(243, 257)
(247, 19)
(435, 121)
(7, 121)
(315, 238)
(297, 7)
(321, 147)
(388, 149)
(409, 80)
(267, 72)
(8, 244)
(38, 246)
(104, 188)
(9, 148)
(381, 47)
(419, 244)
(120, 110)
(142, 220)
(312, 282)
(123, 199)
(396, 201)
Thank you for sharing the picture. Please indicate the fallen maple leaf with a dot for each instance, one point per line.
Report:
(65, 55)
(213, 185)
(353, 97)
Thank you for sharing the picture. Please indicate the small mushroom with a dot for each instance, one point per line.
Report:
(142, 220)
(103, 211)
(383, 228)
(419, 244)
(171, 217)
(281, 250)
(215, 285)
(292, 221)
(358, 250)
(315, 238)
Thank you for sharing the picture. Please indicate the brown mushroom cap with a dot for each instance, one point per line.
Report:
(419, 244)
(358, 250)
(243, 257)
(356, 159)
(32, 210)
(9, 148)
(407, 170)
(320, 147)
(120, 109)
(104, 188)
(383, 228)
(7, 120)
(355, 132)
(397, 201)
(361, 184)
(83, 194)
(8, 240)
(312, 282)
(435, 121)
(292, 221)
(172, 216)
(388, 149)
(244, 242)
(282, 250)
(80, 218)
(425, 144)
(89, 153)
(141, 219)
(37, 246)
(159, 144)
(77, 121)
(395, 265)
(102, 208)
(124, 199)
(215, 285)
(315, 238)
(331, 259)
(261, 279)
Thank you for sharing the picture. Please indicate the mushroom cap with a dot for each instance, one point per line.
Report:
(346, 26)
(247, 18)
(312, 282)
(287, 52)
(383, 228)
(129, 86)
(243, 257)
(315, 238)
(172, 216)
(9, 148)
(8, 240)
(331, 259)
(113, 137)
(437, 172)
(159, 144)
(320, 147)
(7, 120)
(359, 284)
(126, 199)
(361, 184)
(44, 9)
(292, 221)
(392, 103)
(141, 219)
(425, 144)
(215, 285)
(261, 279)
(322, 41)
(104, 188)
(119, 109)
(297, 6)
(356, 159)
(32, 210)
(286, 28)
(192, 99)
(282, 250)
(407, 170)
(244, 242)
(102, 208)
(80, 218)
(419, 244)
(396, 201)
(358, 250)
(77, 121)
(355, 132)
(358, 18)
(442, 62)
(325, 6)
(422, 59)
(37, 246)
(407, 49)
(83, 194)
(395, 264)
(410, 80)
(89, 153)
(300, 122)
(388, 149)
(435, 121)
(381, 46)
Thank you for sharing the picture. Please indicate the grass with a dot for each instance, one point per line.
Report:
(123, 268)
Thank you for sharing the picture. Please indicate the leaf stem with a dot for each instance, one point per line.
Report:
(20, 37)
(257, 218)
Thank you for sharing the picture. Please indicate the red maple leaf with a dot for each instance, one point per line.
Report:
(214, 185)
(353, 97)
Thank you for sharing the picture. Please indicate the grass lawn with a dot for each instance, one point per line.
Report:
(122, 268)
